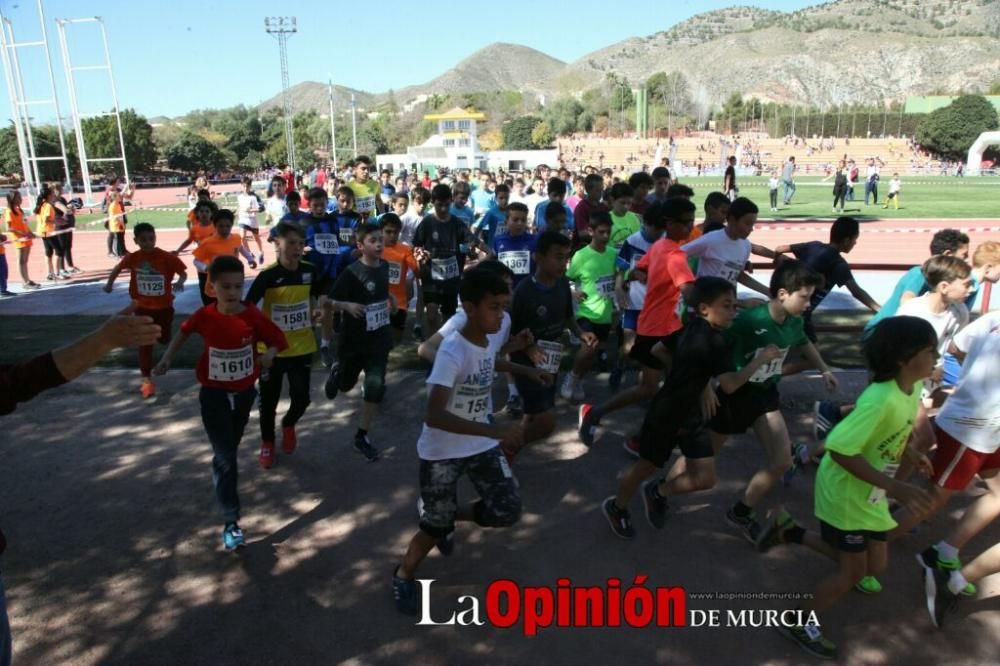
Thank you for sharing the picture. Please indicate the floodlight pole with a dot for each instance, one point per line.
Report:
(333, 130)
(280, 27)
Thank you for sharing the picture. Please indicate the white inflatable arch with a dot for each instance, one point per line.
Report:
(975, 158)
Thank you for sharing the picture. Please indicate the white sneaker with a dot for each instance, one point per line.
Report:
(568, 389)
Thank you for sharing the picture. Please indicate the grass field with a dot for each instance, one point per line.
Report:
(930, 197)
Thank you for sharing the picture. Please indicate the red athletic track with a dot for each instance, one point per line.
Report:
(875, 246)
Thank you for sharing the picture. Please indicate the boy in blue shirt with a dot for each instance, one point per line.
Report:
(323, 252)
(515, 247)
(460, 192)
(483, 199)
(494, 222)
(556, 190)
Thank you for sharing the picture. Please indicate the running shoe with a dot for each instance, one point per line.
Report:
(7, 293)
(868, 585)
(631, 446)
(266, 456)
(585, 429)
(363, 446)
(931, 559)
(75, 270)
(232, 537)
(148, 390)
(31, 285)
(515, 407)
(404, 592)
(810, 639)
(50, 277)
(940, 599)
(619, 519)
(288, 439)
(748, 525)
(655, 505)
(826, 415)
(774, 534)
(330, 387)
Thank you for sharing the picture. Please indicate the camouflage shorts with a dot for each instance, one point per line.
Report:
(499, 503)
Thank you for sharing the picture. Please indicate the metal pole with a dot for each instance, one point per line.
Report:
(23, 109)
(75, 111)
(22, 146)
(55, 98)
(869, 121)
(354, 124)
(114, 99)
(902, 107)
(280, 27)
(793, 119)
(333, 131)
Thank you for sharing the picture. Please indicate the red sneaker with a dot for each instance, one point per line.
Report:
(148, 389)
(266, 455)
(631, 445)
(288, 440)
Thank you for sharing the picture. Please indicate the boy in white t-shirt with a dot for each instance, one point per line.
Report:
(724, 253)
(772, 188)
(895, 185)
(458, 437)
(943, 306)
(248, 204)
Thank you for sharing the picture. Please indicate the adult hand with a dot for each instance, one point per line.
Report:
(129, 331)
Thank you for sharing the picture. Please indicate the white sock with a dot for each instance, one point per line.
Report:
(957, 582)
(946, 551)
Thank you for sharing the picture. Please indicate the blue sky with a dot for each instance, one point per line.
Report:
(173, 56)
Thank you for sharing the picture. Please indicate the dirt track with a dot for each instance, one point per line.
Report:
(114, 553)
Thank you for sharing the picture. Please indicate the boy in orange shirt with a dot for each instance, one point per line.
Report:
(116, 224)
(221, 243)
(151, 287)
(201, 227)
(401, 261)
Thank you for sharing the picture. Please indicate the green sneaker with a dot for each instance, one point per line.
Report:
(774, 533)
(869, 585)
(810, 639)
(931, 559)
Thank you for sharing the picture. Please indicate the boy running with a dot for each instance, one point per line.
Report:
(515, 247)
(227, 370)
(292, 291)
(248, 204)
(624, 222)
(362, 291)
(151, 285)
(459, 439)
(220, 244)
(323, 243)
(402, 265)
(367, 193)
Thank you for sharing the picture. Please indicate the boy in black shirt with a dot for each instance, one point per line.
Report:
(441, 243)
(678, 415)
(362, 291)
(544, 305)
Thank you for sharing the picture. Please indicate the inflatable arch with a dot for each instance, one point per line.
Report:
(975, 159)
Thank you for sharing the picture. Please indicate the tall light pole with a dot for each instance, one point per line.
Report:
(333, 131)
(280, 27)
(354, 124)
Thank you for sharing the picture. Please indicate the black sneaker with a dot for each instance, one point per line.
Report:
(330, 387)
(364, 447)
(940, 599)
(810, 639)
(619, 519)
(515, 407)
(404, 592)
(775, 532)
(656, 507)
(748, 525)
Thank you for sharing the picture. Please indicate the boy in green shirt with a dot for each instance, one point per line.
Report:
(854, 479)
(592, 271)
(757, 404)
(624, 222)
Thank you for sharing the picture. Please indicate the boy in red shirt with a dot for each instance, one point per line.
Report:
(227, 371)
(151, 285)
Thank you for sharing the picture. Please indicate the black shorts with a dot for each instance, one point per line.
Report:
(398, 320)
(537, 398)
(642, 349)
(738, 411)
(657, 441)
(602, 331)
(849, 541)
(53, 245)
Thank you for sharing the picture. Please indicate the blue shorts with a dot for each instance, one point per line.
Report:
(630, 320)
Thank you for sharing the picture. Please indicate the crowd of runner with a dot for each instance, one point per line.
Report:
(523, 278)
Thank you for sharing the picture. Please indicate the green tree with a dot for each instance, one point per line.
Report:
(542, 135)
(517, 134)
(951, 130)
(563, 116)
(100, 135)
(994, 88)
(46, 142)
(245, 138)
(193, 153)
(732, 112)
(673, 91)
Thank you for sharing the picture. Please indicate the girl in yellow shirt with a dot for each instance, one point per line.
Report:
(45, 226)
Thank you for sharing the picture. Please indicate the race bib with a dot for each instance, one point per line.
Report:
(376, 315)
(552, 355)
(517, 261)
(290, 316)
(395, 272)
(326, 244)
(150, 284)
(731, 271)
(606, 286)
(878, 494)
(230, 365)
(346, 236)
(470, 401)
(364, 205)
(769, 369)
(444, 269)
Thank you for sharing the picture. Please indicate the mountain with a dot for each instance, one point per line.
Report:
(849, 51)
(313, 95)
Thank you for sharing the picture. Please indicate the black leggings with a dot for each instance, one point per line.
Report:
(299, 372)
(838, 195)
(116, 243)
(53, 245)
